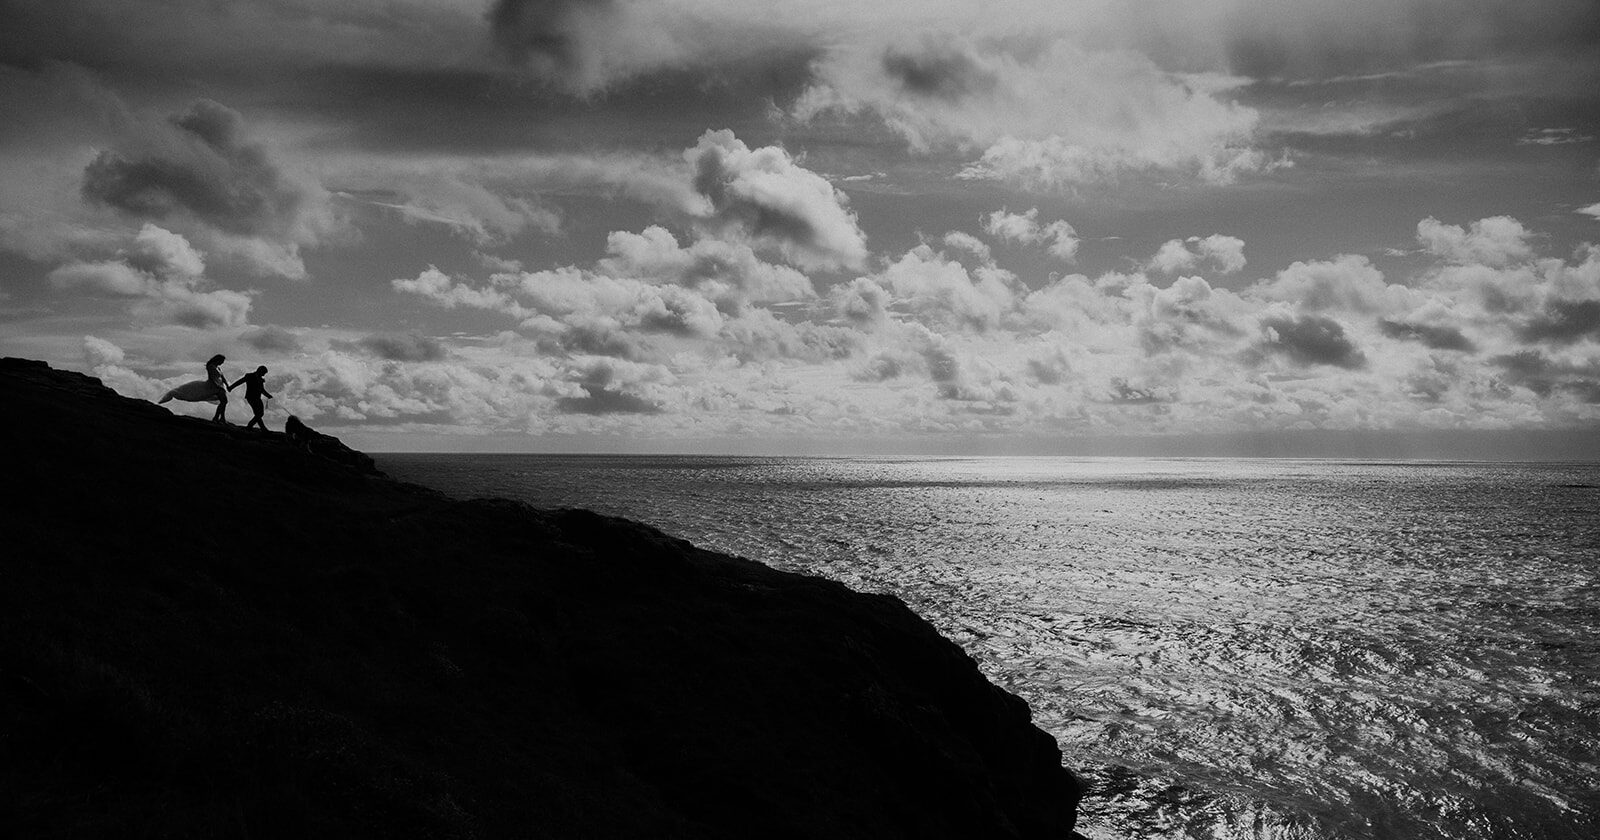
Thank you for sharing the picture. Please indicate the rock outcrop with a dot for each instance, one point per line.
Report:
(207, 632)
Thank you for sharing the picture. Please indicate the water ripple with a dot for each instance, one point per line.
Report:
(1227, 649)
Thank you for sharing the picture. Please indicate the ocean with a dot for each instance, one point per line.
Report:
(1223, 648)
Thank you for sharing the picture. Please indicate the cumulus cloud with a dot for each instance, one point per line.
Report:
(573, 311)
(765, 197)
(200, 167)
(943, 291)
(101, 353)
(1223, 253)
(962, 241)
(1058, 237)
(161, 275)
(729, 272)
(1187, 316)
(1592, 210)
(940, 338)
(1495, 241)
(1347, 282)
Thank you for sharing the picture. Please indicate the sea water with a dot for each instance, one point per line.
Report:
(1222, 648)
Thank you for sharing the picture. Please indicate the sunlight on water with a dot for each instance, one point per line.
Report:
(1225, 649)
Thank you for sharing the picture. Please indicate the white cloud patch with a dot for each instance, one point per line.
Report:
(764, 197)
(1222, 253)
(1495, 241)
(727, 272)
(1058, 237)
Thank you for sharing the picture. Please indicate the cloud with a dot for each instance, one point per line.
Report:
(940, 339)
(581, 312)
(938, 70)
(557, 35)
(160, 251)
(1312, 340)
(945, 294)
(728, 272)
(404, 347)
(962, 241)
(862, 302)
(1224, 253)
(1188, 316)
(161, 274)
(1495, 241)
(200, 167)
(1432, 336)
(764, 197)
(272, 339)
(600, 398)
(1058, 237)
(100, 352)
(1349, 283)
(1545, 376)
(1124, 393)
(446, 195)
(1564, 322)
(1592, 210)
(197, 162)
(1111, 111)
(1553, 137)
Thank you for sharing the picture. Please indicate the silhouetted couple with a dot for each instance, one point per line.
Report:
(215, 388)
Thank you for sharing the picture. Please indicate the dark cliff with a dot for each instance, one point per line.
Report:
(208, 632)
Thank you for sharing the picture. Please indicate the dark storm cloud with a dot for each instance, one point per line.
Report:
(938, 71)
(1543, 376)
(197, 163)
(1313, 340)
(404, 347)
(1437, 338)
(1564, 322)
(272, 339)
(553, 32)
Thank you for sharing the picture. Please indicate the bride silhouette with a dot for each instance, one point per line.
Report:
(214, 388)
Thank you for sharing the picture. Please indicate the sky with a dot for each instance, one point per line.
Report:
(1220, 227)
